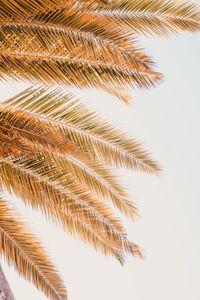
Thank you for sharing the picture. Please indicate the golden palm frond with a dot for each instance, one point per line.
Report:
(23, 8)
(43, 49)
(74, 20)
(100, 180)
(12, 145)
(56, 154)
(159, 17)
(52, 69)
(64, 40)
(91, 134)
(16, 244)
(75, 211)
(33, 132)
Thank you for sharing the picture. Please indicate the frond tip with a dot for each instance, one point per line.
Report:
(21, 249)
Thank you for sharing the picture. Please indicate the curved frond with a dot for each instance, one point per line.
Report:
(90, 133)
(56, 69)
(82, 22)
(71, 216)
(159, 17)
(100, 180)
(17, 244)
(62, 40)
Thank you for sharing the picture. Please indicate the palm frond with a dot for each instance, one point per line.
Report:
(100, 180)
(78, 20)
(17, 244)
(159, 17)
(91, 134)
(11, 145)
(49, 53)
(68, 71)
(33, 132)
(55, 202)
(43, 35)
(63, 189)
(24, 8)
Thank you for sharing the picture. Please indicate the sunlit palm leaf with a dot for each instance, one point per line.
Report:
(23, 8)
(17, 244)
(159, 17)
(37, 133)
(64, 41)
(56, 69)
(32, 186)
(80, 22)
(95, 147)
(91, 134)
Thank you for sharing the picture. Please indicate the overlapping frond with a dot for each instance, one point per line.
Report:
(59, 48)
(56, 154)
(80, 21)
(159, 17)
(24, 8)
(15, 124)
(39, 183)
(23, 250)
(86, 44)
(64, 40)
(91, 134)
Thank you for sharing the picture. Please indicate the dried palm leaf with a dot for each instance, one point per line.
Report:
(51, 68)
(80, 22)
(17, 243)
(100, 180)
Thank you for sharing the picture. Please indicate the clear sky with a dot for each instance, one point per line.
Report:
(167, 120)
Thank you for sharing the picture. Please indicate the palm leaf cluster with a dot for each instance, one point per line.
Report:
(56, 154)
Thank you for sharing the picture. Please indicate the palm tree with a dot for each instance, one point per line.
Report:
(56, 154)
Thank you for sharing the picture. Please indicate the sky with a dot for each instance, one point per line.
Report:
(167, 120)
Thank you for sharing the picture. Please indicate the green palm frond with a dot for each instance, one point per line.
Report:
(16, 245)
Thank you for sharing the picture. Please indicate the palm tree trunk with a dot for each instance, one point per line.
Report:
(5, 291)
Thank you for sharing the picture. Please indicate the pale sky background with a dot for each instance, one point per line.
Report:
(167, 120)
